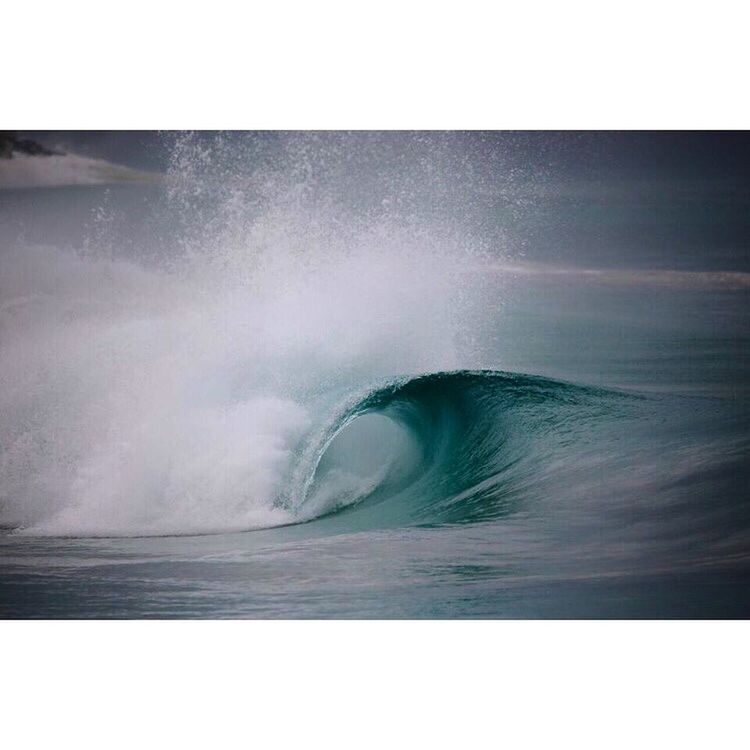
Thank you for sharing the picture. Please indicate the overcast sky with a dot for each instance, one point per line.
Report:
(634, 154)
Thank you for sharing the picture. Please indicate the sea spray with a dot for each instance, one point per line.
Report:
(169, 389)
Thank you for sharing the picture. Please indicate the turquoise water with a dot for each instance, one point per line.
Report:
(296, 410)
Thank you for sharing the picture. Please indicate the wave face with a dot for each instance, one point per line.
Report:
(444, 448)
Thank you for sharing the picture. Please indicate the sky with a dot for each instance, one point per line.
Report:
(613, 199)
(645, 154)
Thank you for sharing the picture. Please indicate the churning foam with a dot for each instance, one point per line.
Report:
(174, 395)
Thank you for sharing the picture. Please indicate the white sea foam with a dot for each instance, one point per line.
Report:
(172, 396)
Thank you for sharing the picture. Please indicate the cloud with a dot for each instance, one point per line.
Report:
(31, 171)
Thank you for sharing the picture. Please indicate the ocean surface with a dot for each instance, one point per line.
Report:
(376, 376)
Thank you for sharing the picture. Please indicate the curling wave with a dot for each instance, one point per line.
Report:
(448, 447)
